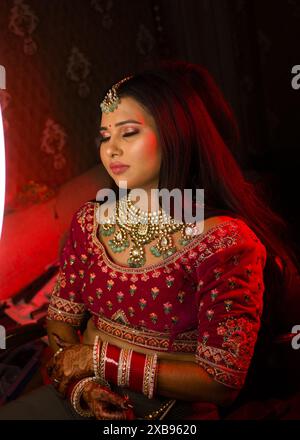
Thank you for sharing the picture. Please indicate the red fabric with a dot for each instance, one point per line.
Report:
(206, 299)
(230, 307)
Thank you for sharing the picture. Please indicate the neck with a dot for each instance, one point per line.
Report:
(148, 202)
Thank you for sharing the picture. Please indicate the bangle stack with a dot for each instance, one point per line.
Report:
(127, 368)
(123, 367)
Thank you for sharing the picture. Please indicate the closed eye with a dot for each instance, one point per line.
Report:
(130, 133)
(105, 139)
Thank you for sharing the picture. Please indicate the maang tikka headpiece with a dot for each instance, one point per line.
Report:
(112, 100)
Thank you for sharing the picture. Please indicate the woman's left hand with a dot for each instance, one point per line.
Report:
(71, 362)
(106, 404)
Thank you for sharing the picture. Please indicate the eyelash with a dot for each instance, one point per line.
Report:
(103, 139)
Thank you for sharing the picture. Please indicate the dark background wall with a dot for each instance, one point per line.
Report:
(60, 55)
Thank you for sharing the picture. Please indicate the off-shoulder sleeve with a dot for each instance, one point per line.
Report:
(230, 306)
(66, 303)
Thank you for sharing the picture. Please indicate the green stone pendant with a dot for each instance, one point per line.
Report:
(169, 252)
(154, 251)
(120, 242)
(137, 257)
(107, 230)
(183, 241)
(133, 263)
(120, 247)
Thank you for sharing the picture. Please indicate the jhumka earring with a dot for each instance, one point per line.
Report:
(111, 99)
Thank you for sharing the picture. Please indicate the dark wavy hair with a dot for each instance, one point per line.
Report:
(198, 136)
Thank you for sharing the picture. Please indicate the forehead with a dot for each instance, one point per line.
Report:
(128, 108)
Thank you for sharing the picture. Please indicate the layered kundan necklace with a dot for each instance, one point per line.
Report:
(138, 228)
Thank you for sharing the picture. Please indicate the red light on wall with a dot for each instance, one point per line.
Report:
(2, 172)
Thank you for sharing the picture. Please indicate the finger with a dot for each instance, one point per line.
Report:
(50, 372)
(56, 372)
(90, 406)
(102, 412)
(113, 398)
(51, 365)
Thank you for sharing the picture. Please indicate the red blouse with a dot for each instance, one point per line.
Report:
(205, 299)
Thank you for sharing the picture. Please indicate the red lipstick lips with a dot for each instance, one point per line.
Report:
(118, 167)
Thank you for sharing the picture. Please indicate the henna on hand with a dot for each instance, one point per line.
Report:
(74, 362)
(105, 404)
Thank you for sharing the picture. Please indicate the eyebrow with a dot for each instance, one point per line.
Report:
(132, 121)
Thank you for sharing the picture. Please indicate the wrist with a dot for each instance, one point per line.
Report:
(87, 389)
(79, 397)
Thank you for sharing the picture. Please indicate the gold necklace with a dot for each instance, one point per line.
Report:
(142, 228)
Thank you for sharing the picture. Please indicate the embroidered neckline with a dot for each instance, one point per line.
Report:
(168, 260)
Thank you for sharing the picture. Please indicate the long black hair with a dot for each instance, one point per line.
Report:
(198, 136)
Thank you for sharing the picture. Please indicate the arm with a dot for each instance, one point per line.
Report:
(230, 307)
(179, 376)
(183, 380)
(66, 309)
(188, 381)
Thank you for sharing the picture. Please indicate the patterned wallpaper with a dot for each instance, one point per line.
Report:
(60, 55)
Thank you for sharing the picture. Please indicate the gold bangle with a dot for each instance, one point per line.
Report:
(76, 397)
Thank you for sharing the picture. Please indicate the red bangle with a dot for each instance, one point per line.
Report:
(111, 363)
(129, 369)
(137, 368)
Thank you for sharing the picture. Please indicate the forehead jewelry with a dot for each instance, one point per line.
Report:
(111, 99)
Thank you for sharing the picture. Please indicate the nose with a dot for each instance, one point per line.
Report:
(112, 149)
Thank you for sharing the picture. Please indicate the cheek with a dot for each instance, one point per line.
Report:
(148, 152)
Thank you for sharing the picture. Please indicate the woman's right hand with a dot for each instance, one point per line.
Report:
(105, 404)
(75, 361)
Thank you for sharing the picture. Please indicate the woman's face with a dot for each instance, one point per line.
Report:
(129, 136)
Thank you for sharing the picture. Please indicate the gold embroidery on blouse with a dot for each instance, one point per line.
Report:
(173, 258)
(184, 342)
(120, 317)
(213, 360)
(67, 311)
